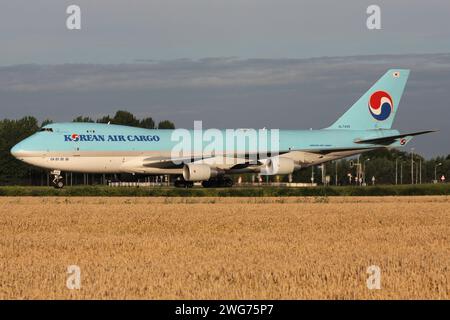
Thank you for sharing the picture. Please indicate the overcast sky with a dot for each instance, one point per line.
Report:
(119, 31)
(269, 65)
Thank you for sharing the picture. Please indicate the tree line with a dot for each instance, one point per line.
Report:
(13, 171)
(386, 166)
(128, 119)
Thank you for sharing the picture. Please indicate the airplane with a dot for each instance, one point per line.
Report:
(109, 148)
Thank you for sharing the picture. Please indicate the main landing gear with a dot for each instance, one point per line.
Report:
(181, 183)
(57, 179)
(218, 182)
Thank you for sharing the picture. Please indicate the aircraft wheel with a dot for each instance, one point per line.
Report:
(59, 184)
(179, 184)
(211, 183)
(220, 182)
(206, 184)
(227, 182)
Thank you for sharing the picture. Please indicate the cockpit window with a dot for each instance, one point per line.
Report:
(47, 129)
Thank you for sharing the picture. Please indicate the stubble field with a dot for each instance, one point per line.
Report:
(225, 248)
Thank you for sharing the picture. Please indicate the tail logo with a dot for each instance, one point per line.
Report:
(380, 105)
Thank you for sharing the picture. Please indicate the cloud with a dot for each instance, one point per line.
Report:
(232, 92)
(209, 73)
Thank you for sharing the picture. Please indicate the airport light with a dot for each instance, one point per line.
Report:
(397, 160)
(420, 170)
(435, 170)
(364, 170)
(412, 165)
(396, 170)
(401, 171)
(336, 171)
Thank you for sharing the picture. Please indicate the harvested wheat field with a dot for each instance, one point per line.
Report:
(225, 248)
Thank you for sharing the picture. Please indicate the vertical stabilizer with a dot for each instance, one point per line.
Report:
(376, 109)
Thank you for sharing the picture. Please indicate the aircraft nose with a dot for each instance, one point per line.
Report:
(17, 151)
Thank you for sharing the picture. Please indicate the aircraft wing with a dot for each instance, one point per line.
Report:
(241, 159)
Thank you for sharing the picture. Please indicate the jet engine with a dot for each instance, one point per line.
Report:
(198, 172)
(279, 165)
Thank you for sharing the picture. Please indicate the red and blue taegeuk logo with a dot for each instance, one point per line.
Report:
(380, 105)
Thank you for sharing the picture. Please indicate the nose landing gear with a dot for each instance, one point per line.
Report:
(57, 179)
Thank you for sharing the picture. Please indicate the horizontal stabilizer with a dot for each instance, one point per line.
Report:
(391, 139)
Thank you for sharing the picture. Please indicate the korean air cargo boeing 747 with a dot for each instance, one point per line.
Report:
(108, 148)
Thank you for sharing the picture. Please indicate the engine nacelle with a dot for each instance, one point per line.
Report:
(279, 165)
(198, 172)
